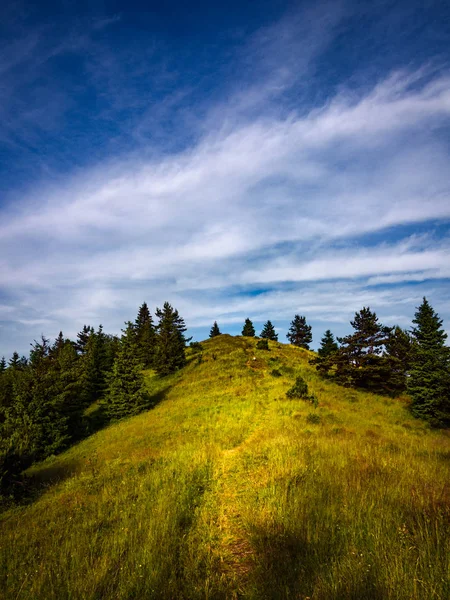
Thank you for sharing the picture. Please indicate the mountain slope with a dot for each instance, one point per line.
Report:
(227, 489)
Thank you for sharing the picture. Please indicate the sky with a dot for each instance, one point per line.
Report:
(240, 159)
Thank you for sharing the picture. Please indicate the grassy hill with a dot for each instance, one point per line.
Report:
(227, 489)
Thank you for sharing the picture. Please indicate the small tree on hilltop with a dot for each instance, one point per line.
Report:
(145, 335)
(248, 330)
(171, 343)
(398, 349)
(215, 331)
(328, 344)
(299, 333)
(429, 381)
(269, 333)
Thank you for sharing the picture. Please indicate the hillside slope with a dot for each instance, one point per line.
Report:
(227, 489)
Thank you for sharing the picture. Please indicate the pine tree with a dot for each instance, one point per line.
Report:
(2, 365)
(429, 381)
(14, 361)
(83, 338)
(328, 344)
(269, 333)
(145, 336)
(360, 361)
(248, 330)
(398, 349)
(214, 330)
(299, 333)
(126, 391)
(171, 342)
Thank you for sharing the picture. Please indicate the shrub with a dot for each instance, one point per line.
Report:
(196, 347)
(262, 345)
(313, 418)
(299, 389)
(275, 373)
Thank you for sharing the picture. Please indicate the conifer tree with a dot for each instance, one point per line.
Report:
(145, 336)
(429, 381)
(248, 330)
(171, 342)
(82, 338)
(214, 330)
(398, 349)
(2, 365)
(360, 361)
(328, 344)
(14, 361)
(299, 333)
(269, 333)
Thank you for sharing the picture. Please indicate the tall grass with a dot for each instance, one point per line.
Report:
(227, 489)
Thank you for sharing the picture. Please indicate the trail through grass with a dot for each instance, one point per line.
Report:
(227, 489)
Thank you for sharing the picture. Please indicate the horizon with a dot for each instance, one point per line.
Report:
(259, 160)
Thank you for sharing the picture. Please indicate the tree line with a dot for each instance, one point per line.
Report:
(43, 398)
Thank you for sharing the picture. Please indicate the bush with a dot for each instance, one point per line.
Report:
(262, 345)
(299, 389)
(275, 373)
(196, 347)
(313, 418)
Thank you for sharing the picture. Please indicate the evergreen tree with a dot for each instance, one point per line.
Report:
(429, 381)
(83, 338)
(299, 333)
(328, 344)
(145, 336)
(360, 361)
(2, 365)
(14, 361)
(248, 330)
(126, 392)
(171, 342)
(398, 349)
(214, 330)
(268, 332)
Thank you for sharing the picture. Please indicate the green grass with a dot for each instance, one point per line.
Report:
(227, 489)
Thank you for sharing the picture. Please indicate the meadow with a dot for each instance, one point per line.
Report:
(227, 489)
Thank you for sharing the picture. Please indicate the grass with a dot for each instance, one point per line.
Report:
(227, 489)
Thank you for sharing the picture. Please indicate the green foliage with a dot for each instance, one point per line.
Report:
(171, 342)
(214, 330)
(429, 381)
(360, 361)
(2, 365)
(328, 344)
(275, 373)
(313, 418)
(126, 393)
(299, 389)
(145, 336)
(299, 333)
(83, 338)
(248, 330)
(398, 349)
(268, 332)
(262, 344)
(196, 347)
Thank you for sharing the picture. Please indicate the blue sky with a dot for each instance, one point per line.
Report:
(256, 159)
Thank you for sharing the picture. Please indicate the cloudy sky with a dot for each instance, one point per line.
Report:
(256, 159)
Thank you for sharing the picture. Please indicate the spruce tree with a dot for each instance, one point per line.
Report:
(2, 365)
(170, 342)
(83, 338)
(126, 393)
(248, 330)
(214, 330)
(145, 336)
(398, 349)
(14, 361)
(328, 344)
(269, 333)
(429, 381)
(299, 333)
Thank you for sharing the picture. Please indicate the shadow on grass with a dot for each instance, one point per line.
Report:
(286, 564)
(38, 478)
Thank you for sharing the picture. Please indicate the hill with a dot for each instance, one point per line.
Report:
(227, 489)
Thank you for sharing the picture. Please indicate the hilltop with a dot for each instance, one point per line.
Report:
(227, 489)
